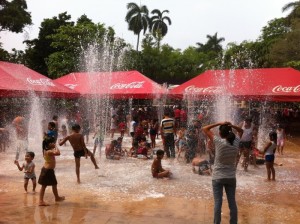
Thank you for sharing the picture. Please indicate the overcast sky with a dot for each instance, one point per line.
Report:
(192, 20)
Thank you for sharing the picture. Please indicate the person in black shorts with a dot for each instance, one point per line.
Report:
(77, 142)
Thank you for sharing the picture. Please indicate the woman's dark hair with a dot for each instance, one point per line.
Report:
(273, 136)
(46, 142)
(226, 132)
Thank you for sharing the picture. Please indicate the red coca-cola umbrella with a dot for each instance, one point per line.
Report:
(121, 84)
(17, 81)
(273, 84)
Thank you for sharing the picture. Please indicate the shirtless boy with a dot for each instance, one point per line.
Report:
(77, 142)
(156, 168)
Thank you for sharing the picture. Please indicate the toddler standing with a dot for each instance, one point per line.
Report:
(28, 167)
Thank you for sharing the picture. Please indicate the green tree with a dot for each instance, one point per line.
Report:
(4, 55)
(158, 26)
(137, 19)
(295, 10)
(213, 44)
(286, 51)
(84, 47)
(39, 49)
(13, 15)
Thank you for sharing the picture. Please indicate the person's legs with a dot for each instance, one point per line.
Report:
(167, 145)
(246, 159)
(94, 149)
(92, 159)
(268, 166)
(218, 198)
(272, 170)
(55, 192)
(77, 163)
(238, 157)
(230, 187)
(26, 184)
(42, 193)
(172, 146)
(163, 174)
(112, 133)
(281, 148)
(33, 184)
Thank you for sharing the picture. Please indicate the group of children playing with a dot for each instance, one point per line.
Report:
(114, 150)
(50, 151)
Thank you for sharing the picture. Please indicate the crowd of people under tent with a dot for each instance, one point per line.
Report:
(143, 125)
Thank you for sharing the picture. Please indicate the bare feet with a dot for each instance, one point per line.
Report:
(96, 167)
(62, 198)
(78, 181)
(42, 203)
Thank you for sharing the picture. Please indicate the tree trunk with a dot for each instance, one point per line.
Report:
(138, 41)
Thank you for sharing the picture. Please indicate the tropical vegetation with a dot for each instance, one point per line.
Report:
(63, 45)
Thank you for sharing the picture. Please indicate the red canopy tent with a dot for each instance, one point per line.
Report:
(17, 80)
(121, 84)
(272, 84)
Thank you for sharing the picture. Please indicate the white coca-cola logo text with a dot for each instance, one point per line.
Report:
(209, 89)
(286, 89)
(40, 82)
(71, 86)
(132, 85)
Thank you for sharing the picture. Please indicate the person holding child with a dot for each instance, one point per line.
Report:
(47, 176)
(77, 142)
(28, 166)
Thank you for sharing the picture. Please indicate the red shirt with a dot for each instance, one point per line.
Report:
(183, 115)
(122, 126)
(177, 113)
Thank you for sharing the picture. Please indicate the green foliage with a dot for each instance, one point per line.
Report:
(78, 45)
(137, 19)
(158, 27)
(286, 51)
(294, 13)
(13, 15)
(213, 44)
(4, 55)
(63, 47)
(39, 49)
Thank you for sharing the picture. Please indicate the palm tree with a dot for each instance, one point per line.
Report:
(213, 44)
(158, 27)
(137, 19)
(295, 10)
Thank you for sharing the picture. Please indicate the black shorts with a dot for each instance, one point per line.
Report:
(245, 145)
(47, 177)
(78, 154)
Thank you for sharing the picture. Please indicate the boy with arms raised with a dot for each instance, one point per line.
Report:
(77, 142)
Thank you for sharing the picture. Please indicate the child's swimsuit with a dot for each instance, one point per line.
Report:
(78, 154)
(27, 166)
